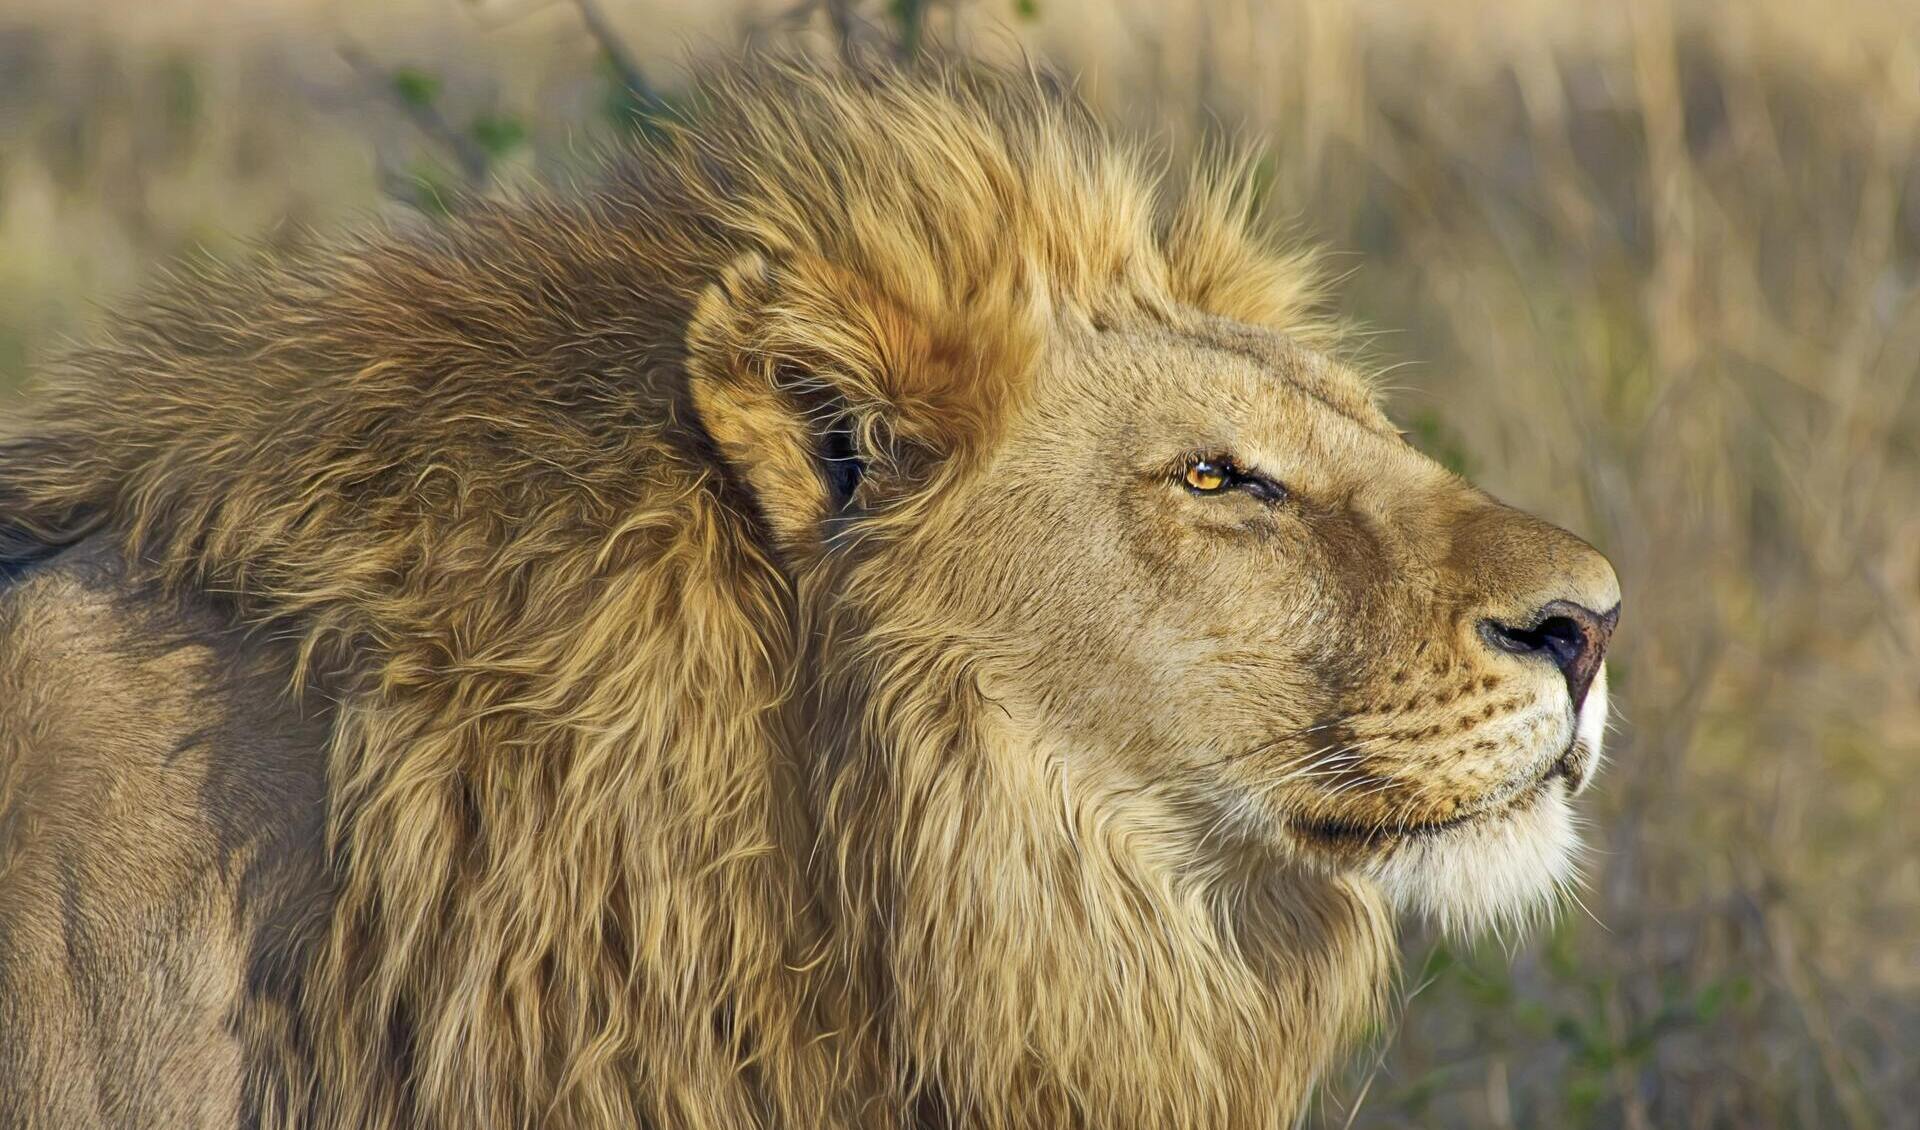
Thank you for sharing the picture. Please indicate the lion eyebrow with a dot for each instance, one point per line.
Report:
(1304, 388)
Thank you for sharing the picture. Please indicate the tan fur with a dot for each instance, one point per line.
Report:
(159, 856)
(666, 788)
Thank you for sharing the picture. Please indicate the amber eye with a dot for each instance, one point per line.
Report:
(1208, 475)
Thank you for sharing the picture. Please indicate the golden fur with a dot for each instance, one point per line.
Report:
(670, 784)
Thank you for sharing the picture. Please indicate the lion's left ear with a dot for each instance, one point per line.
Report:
(760, 431)
(819, 389)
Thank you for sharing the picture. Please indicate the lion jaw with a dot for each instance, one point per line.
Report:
(1509, 870)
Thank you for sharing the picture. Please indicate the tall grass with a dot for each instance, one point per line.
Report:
(1652, 270)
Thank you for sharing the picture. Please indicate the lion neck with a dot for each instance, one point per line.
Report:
(1055, 962)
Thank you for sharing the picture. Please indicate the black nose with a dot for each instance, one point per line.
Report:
(1575, 638)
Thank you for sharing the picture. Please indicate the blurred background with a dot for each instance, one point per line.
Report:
(1650, 268)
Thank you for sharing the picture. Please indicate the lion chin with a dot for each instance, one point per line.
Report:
(1508, 871)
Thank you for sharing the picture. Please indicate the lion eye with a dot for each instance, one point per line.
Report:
(1208, 475)
(1218, 474)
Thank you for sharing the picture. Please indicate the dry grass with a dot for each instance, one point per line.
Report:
(1657, 270)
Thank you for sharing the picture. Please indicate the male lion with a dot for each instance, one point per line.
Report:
(882, 613)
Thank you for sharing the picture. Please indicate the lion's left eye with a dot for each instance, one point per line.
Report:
(1215, 474)
(1209, 475)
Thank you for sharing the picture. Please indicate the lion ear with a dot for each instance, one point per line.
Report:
(789, 375)
(825, 388)
(765, 443)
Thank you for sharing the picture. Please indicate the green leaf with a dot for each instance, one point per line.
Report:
(180, 91)
(1533, 1017)
(1709, 1001)
(1431, 434)
(1578, 1038)
(1584, 1094)
(498, 134)
(910, 15)
(415, 87)
(1027, 9)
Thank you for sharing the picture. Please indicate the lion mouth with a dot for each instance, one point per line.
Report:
(1570, 768)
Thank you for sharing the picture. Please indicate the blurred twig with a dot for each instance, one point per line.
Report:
(622, 60)
(912, 16)
(840, 17)
(468, 153)
(1834, 1062)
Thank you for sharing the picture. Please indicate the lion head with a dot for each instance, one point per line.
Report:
(1193, 567)
(890, 611)
(1136, 616)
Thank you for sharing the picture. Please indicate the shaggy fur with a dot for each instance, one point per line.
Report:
(658, 791)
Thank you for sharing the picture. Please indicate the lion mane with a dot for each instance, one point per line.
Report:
(630, 818)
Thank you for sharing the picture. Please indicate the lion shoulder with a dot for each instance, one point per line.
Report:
(159, 852)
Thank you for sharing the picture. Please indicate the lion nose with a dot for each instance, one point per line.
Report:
(1572, 636)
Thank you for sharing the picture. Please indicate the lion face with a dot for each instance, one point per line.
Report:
(1210, 577)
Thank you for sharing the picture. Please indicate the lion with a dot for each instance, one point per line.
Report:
(886, 608)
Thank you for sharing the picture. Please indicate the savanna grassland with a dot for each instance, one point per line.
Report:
(1651, 269)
